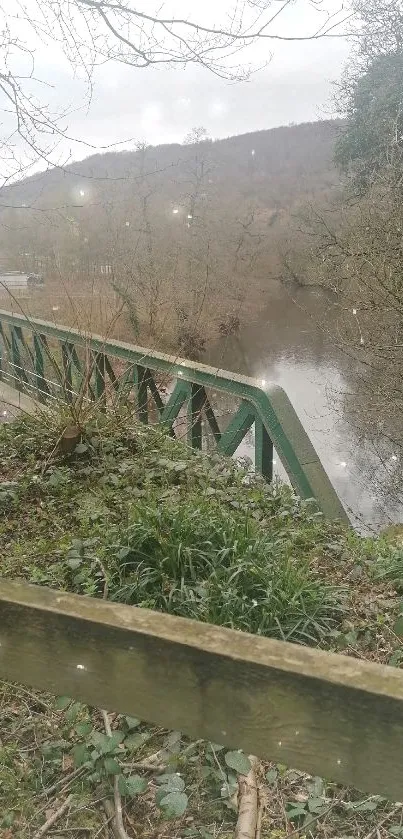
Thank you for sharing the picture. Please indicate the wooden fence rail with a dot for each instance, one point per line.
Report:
(326, 714)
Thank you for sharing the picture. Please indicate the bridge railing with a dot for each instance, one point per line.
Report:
(326, 714)
(52, 362)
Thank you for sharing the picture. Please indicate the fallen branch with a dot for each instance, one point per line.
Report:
(246, 826)
(259, 818)
(53, 818)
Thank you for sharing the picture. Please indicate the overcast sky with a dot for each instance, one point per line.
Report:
(163, 105)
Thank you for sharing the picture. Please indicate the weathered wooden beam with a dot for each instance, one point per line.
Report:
(329, 715)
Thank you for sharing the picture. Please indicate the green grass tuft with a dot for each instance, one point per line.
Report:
(205, 561)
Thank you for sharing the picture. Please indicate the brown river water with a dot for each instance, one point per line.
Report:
(289, 346)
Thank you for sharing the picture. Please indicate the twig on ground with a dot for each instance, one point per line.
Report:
(109, 820)
(146, 766)
(53, 818)
(259, 819)
(64, 782)
(383, 821)
(34, 697)
(246, 825)
(105, 576)
(314, 819)
(154, 762)
(119, 827)
(71, 830)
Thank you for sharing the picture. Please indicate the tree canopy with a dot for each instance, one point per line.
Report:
(373, 136)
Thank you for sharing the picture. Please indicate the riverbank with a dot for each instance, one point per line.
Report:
(135, 517)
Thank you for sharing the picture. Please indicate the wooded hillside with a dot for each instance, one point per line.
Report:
(187, 235)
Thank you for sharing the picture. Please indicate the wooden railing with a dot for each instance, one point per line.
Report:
(325, 714)
(51, 362)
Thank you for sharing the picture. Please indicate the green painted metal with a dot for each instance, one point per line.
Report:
(211, 420)
(176, 401)
(197, 398)
(237, 428)
(140, 378)
(19, 370)
(42, 387)
(269, 410)
(67, 361)
(99, 363)
(263, 450)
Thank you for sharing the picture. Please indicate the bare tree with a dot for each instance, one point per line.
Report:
(138, 34)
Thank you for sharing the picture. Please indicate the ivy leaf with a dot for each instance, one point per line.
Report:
(366, 806)
(8, 819)
(295, 811)
(132, 722)
(160, 794)
(398, 627)
(81, 448)
(171, 783)
(394, 661)
(80, 754)
(317, 787)
(111, 766)
(271, 776)
(62, 703)
(77, 544)
(173, 740)
(132, 786)
(174, 804)
(315, 805)
(83, 728)
(117, 738)
(73, 711)
(106, 744)
(135, 741)
(238, 761)
(74, 560)
(100, 741)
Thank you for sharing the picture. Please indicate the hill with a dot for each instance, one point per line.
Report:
(187, 235)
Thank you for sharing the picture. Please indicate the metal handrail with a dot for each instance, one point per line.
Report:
(25, 353)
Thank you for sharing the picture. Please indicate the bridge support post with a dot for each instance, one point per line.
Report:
(263, 451)
(195, 407)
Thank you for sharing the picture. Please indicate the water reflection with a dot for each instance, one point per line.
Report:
(290, 346)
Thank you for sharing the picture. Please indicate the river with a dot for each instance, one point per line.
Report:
(288, 345)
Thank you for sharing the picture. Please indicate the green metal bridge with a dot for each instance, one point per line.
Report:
(53, 363)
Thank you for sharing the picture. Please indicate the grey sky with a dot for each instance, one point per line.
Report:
(163, 105)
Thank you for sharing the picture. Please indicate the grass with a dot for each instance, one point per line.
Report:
(205, 561)
(150, 522)
(188, 536)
